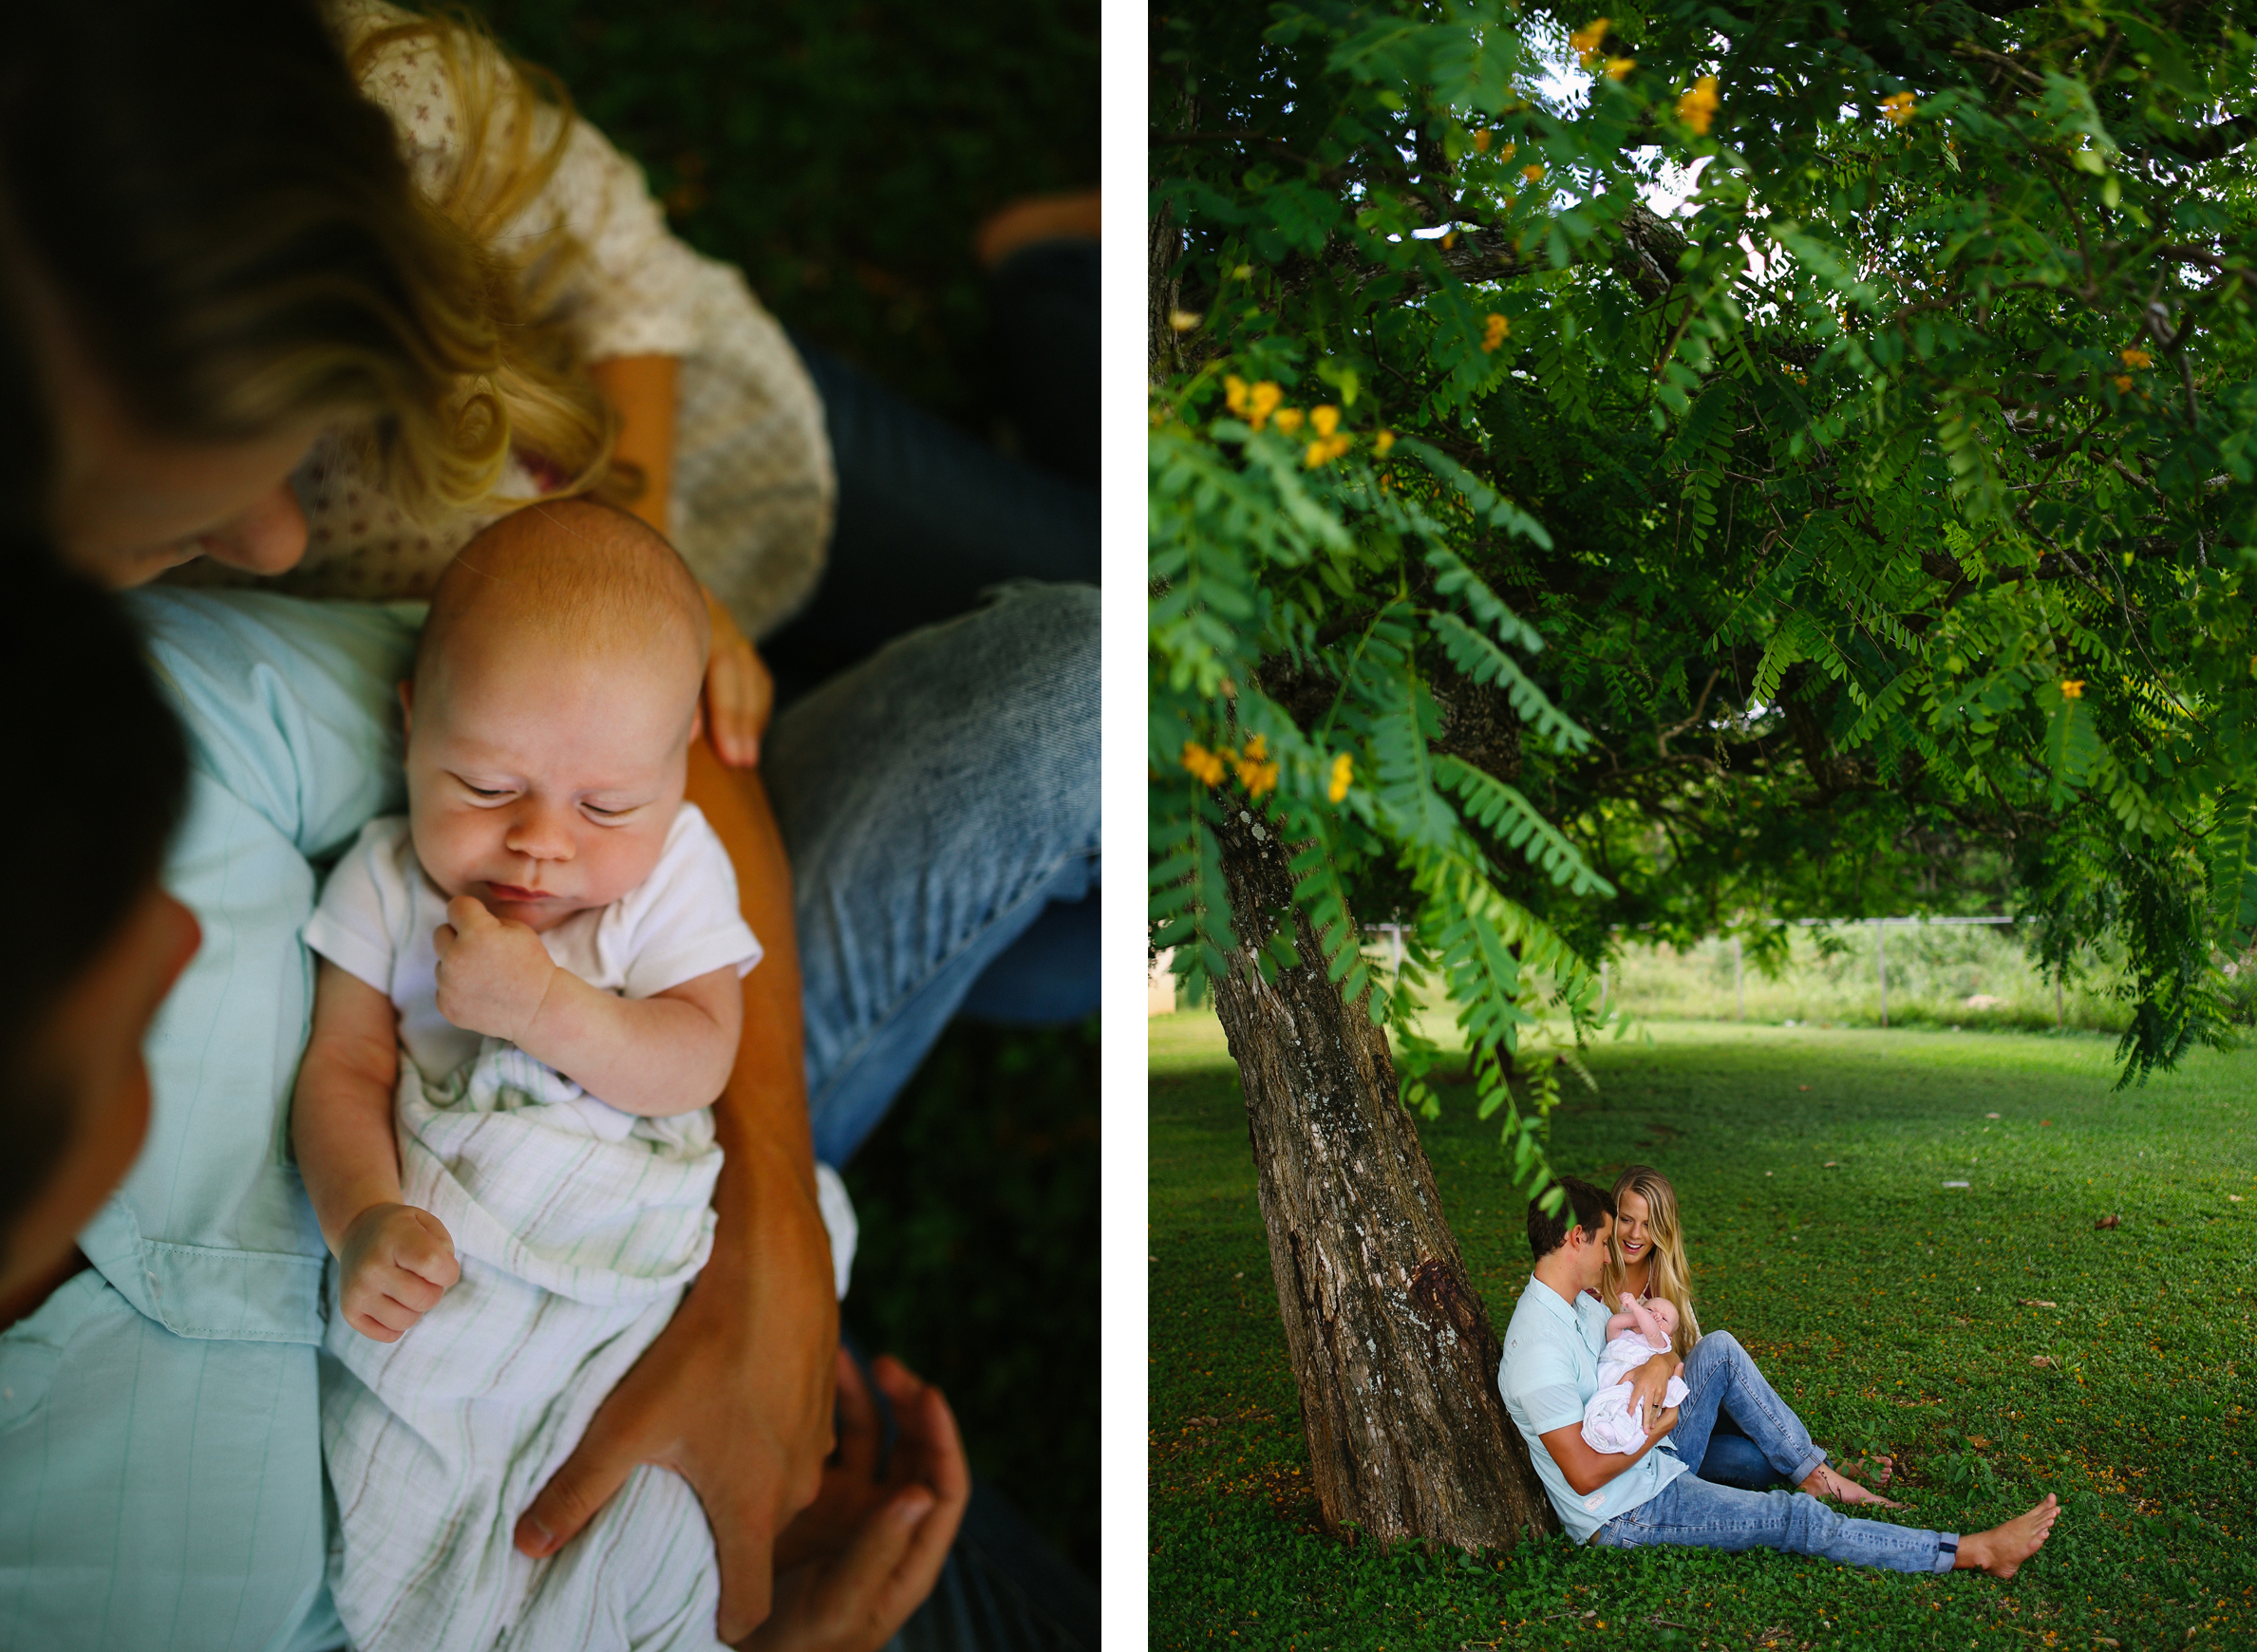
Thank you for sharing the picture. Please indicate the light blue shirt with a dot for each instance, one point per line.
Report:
(161, 1482)
(1549, 1370)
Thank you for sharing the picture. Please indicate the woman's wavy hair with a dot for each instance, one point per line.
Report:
(1672, 1276)
(235, 239)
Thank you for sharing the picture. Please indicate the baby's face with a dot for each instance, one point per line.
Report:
(543, 784)
(1665, 1312)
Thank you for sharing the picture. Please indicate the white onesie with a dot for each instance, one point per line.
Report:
(577, 1227)
(1610, 1420)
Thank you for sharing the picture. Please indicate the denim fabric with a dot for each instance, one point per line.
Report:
(929, 519)
(1719, 1376)
(1733, 1459)
(934, 801)
(1694, 1514)
(1698, 1513)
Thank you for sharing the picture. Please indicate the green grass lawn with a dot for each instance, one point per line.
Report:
(1895, 1313)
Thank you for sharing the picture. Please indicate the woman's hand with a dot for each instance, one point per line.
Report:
(865, 1554)
(738, 691)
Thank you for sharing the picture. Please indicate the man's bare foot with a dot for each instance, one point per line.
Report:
(1824, 1481)
(2001, 1549)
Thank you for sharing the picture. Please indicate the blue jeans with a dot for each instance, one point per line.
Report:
(939, 803)
(1698, 1513)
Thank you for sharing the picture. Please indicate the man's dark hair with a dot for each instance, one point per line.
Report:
(102, 770)
(1586, 1207)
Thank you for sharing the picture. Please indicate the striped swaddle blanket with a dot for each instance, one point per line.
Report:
(578, 1229)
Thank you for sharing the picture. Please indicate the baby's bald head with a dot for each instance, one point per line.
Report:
(567, 576)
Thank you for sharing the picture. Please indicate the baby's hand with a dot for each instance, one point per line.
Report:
(394, 1265)
(493, 973)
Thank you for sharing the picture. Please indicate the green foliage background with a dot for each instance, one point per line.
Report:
(842, 154)
(1873, 539)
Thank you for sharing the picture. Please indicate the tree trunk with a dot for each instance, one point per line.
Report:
(1391, 1346)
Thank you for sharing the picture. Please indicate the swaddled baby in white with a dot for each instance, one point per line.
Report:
(528, 999)
(1610, 1421)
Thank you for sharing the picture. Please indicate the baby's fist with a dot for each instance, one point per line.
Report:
(493, 973)
(394, 1265)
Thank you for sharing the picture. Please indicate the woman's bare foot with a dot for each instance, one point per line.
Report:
(2001, 1549)
(1824, 1481)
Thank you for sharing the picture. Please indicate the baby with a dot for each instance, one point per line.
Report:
(1610, 1421)
(528, 998)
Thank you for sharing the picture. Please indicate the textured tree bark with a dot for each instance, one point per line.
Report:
(1391, 1346)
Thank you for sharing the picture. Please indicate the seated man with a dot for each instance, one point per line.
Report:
(1622, 1500)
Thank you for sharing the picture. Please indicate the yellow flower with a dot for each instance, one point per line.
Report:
(1482, 141)
(2135, 357)
(1255, 774)
(1325, 420)
(2123, 383)
(1506, 153)
(1449, 241)
(2072, 689)
(1260, 402)
(1206, 767)
(1896, 108)
(1493, 331)
(1532, 173)
(1383, 442)
(1326, 449)
(1235, 394)
(1342, 772)
(1697, 107)
(1586, 39)
(1288, 419)
(1619, 66)
(1257, 749)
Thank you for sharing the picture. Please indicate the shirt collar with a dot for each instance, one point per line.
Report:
(1558, 1307)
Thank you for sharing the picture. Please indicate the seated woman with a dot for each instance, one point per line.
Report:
(1645, 1261)
(245, 310)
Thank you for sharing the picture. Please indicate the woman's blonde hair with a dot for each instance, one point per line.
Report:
(234, 237)
(1671, 1277)
(523, 382)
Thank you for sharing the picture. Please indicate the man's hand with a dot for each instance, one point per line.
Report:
(1649, 1384)
(865, 1554)
(738, 691)
(492, 972)
(735, 1396)
(394, 1263)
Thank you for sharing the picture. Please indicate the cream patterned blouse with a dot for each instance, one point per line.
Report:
(753, 486)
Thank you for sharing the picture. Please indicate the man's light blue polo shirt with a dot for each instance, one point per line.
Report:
(1549, 1370)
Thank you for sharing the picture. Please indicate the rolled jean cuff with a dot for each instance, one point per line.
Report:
(1946, 1551)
